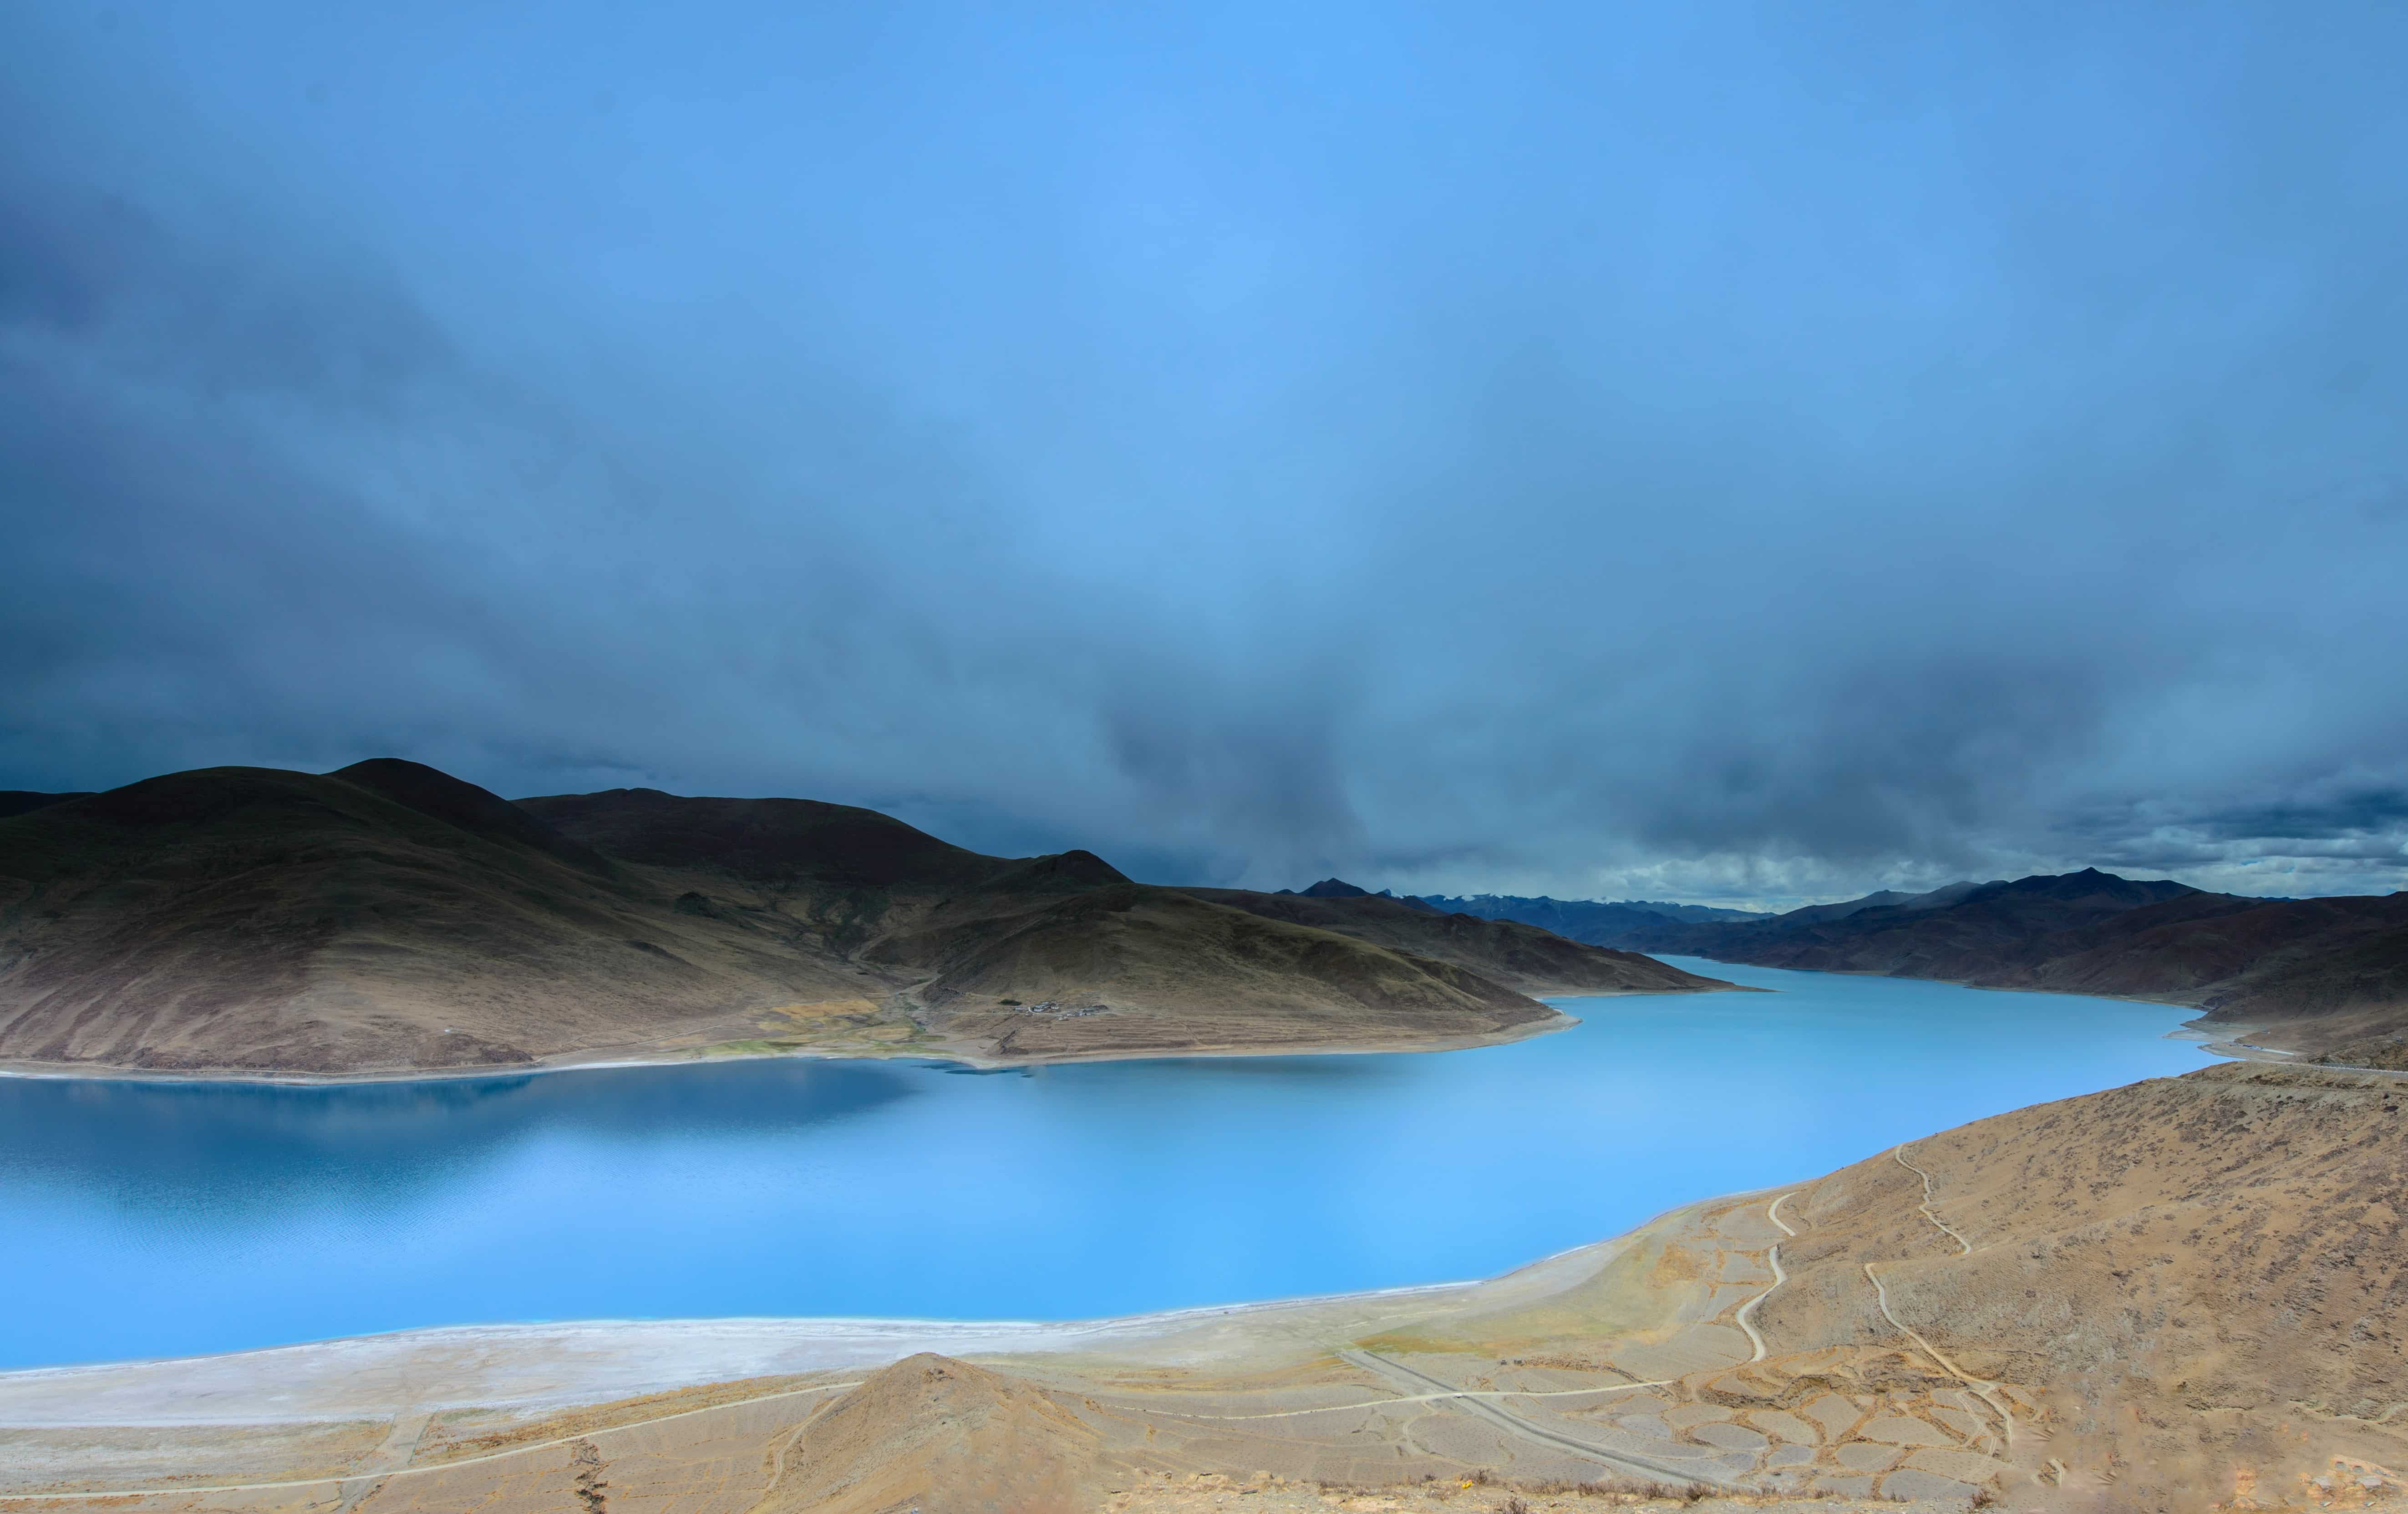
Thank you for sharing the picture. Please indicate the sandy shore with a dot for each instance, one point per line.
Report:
(1568, 1372)
(553, 1366)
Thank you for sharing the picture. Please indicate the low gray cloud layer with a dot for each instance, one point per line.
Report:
(1693, 452)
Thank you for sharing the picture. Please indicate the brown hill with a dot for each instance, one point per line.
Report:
(1521, 957)
(388, 919)
(385, 917)
(1054, 957)
(788, 843)
(1994, 933)
(2199, 1277)
(1127, 968)
(931, 1433)
(2323, 975)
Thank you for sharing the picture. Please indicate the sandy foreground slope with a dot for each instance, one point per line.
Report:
(2173, 1295)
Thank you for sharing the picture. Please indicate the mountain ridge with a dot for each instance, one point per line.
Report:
(1519, 954)
(388, 919)
(1502, 906)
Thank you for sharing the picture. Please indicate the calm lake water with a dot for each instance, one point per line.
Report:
(157, 1219)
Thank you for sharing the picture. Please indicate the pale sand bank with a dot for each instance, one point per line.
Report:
(585, 1362)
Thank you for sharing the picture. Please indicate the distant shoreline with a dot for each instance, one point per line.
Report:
(2217, 1038)
(950, 1060)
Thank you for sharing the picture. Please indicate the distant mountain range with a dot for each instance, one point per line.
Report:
(2323, 975)
(1581, 919)
(392, 919)
(1578, 919)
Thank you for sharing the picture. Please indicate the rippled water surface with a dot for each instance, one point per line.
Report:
(153, 1219)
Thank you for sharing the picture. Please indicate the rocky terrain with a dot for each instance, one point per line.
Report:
(389, 918)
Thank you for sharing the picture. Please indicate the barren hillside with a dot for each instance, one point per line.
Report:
(390, 918)
(1519, 956)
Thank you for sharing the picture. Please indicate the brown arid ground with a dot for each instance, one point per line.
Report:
(2183, 1294)
(390, 920)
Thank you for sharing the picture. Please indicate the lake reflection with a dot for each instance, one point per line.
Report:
(164, 1219)
(241, 1151)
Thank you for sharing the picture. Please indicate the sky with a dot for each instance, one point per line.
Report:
(1732, 453)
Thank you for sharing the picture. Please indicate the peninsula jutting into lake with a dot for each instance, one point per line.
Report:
(390, 921)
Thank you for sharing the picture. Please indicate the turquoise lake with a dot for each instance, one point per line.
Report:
(141, 1219)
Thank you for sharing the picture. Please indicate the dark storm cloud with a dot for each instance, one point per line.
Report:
(2354, 815)
(1706, 451)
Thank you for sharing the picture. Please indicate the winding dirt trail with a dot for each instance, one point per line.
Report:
(1982, 1387)
(1477, 1404)
(1742, 1319)
(1449, 1394)
(1898, 1154)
